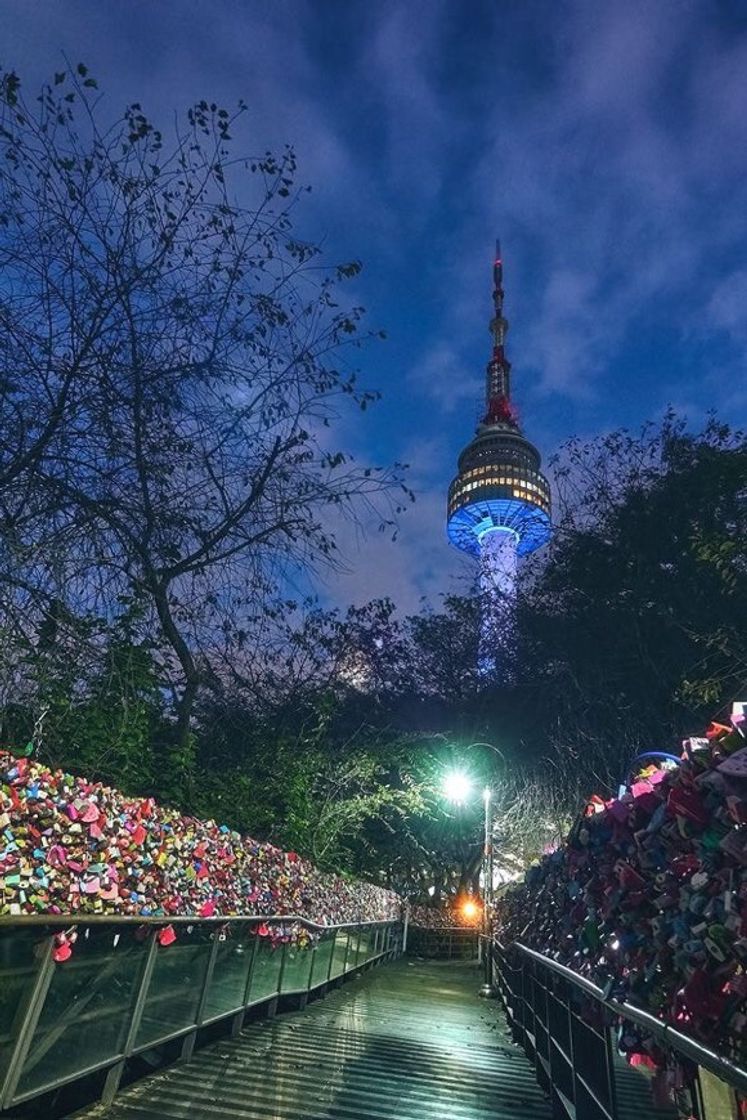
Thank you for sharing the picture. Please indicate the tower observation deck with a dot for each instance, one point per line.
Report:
(499, 503)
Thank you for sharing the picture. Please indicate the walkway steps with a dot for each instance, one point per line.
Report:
(409, 1041)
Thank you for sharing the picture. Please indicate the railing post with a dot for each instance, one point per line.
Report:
(250, 977)
(331, 960)
(405, 926)
(114, 1075)
(208, 976)
(303, 998)
(610, 1071)
(188, 1042)
(29, 1024)
(272, 1005)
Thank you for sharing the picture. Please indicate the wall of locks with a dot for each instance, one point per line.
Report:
(70, 846)
(648, 897)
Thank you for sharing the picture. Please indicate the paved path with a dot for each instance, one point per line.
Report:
(408, 1041)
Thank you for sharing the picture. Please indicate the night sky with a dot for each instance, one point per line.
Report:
(606, 142)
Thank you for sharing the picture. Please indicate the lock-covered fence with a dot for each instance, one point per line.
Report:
(571, 1030)
(99, 1000)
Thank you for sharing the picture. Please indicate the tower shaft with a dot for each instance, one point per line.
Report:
(498, 572)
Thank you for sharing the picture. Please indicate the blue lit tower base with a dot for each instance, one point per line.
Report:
(499, 502)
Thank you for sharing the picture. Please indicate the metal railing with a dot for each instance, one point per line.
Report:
(564, 1023)
(122, 993)
(448, 943)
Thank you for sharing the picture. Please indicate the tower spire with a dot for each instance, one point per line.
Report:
(498, 378)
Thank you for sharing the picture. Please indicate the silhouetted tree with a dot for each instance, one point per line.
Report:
(172, 356)
(634, 625)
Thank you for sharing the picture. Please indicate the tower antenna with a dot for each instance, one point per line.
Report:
(498, 376)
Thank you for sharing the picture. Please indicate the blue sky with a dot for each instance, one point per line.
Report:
(606, 142)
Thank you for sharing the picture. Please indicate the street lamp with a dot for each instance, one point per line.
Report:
(457, 786)
(487, 991)
(487, 854)
(469, 909)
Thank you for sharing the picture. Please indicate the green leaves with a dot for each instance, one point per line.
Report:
(631, 622)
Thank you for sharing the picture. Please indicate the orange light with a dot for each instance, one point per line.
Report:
(469, 909)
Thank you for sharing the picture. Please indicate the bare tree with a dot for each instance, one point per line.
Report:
(172, 357)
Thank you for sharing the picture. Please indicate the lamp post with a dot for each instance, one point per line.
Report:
(457, 787)
(487, 991)
(487, 856)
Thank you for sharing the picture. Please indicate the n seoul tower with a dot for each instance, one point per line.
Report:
(499, 502)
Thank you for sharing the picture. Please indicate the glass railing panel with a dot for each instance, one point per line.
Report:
(719, 1099)
(297, 968)
(322, 956)
(233, 960)
(86, 1014)
(21, 954)
(362, 946)
(353, 943)
(175, 987)
(365, 945)
(338, 953)
(265, 970)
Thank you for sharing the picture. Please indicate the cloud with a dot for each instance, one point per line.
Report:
(603, 188)
(727, 307)
(418, 563)
(399, 69)
(443, 376)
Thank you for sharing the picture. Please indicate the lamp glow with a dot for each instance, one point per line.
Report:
(469, 909)
(457, 786)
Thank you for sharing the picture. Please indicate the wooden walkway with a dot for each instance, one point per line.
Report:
(410, 1041)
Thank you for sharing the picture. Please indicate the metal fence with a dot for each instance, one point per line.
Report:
(564, 1023)
(122, 993)
(449, 943)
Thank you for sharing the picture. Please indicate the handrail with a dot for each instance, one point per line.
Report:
(172, 919)
(444, 929)
(722, 1067)
(361, 945)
